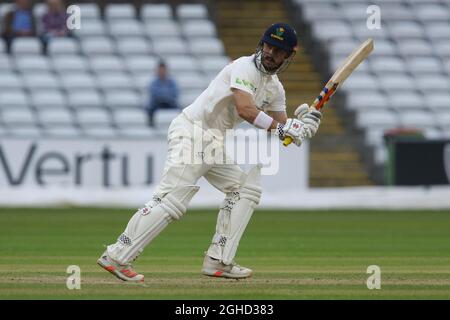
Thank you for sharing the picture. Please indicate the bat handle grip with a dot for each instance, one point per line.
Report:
(287, 141)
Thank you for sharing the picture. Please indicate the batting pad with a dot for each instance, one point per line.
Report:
(149, 221)
(233, 218)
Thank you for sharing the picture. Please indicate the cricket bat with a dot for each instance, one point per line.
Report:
(341, 74)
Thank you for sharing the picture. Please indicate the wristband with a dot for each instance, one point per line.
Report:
(263, 121)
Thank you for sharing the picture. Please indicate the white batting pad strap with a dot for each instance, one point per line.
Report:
(263, 121)
(175, 202)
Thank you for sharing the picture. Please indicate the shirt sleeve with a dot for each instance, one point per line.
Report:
(279, 101)
(243, 77)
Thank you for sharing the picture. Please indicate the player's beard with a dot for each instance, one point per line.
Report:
(268, 69)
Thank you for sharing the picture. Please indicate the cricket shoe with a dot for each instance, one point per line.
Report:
(123, 272)
(214, 268)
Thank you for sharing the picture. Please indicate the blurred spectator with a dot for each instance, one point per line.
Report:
(19, 22)
(54, 20)
(163, 93)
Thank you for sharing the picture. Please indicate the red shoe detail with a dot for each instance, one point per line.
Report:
(218, 273)
(128, 273)
(110, 268)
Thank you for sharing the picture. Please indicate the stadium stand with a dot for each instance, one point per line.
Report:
(405, 82)
(95, 83)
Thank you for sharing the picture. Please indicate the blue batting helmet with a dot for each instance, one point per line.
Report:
(281, 35)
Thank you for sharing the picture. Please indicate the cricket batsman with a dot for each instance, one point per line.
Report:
(247, 89)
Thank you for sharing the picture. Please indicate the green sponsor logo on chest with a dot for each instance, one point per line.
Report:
(246, 83)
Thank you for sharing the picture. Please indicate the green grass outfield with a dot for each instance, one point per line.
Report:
(294, 255)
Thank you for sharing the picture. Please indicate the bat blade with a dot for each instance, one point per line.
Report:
(340, 75)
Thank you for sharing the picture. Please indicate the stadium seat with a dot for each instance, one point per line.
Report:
(362, 33)
(191, 81)
(206, 46)
(415, 47)
(41, 80)
(396, 12)
(85, 98)
(417, 119)
(89, 11)
(432, 133)
(406, 100)
(106, 63)
(123, 99)
(430, 83)
(70, 63)
(130, 118)
(383, 48)
(142, 80)
(198, 29)
(120, 11)
(77, 80)
(376, 118)
(91, 28)
(25, 131)
(114, 80)
(191, 11)
(163, 117)
(55, 117)
(438, 30)
(393, 82)
(141, 63)
(26, 45)
(100, 132)
(405, 29)
(374, 136)
(331, 30)
(187, 97)
(39, 9)
(14, 98)
(431, 12)
(66, 46)
(443, 120)
(10, 81)
(5, 63)
(361, 82)
(136, 132)
(42, 99)
(181, 63)
(438, 101)
(162, 28)
(321, 11)
(150, 12)
(97, 46)
(442, 48)
(387, 64)
(367, 100)
(62, 132)
(126, 28)
(213, 64)
(30, 63)
(424, 65)
(93, 117)
(133, 46)
(172, 46)
(16, 117)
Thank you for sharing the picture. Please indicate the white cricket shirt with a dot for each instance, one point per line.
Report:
(214, 108)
